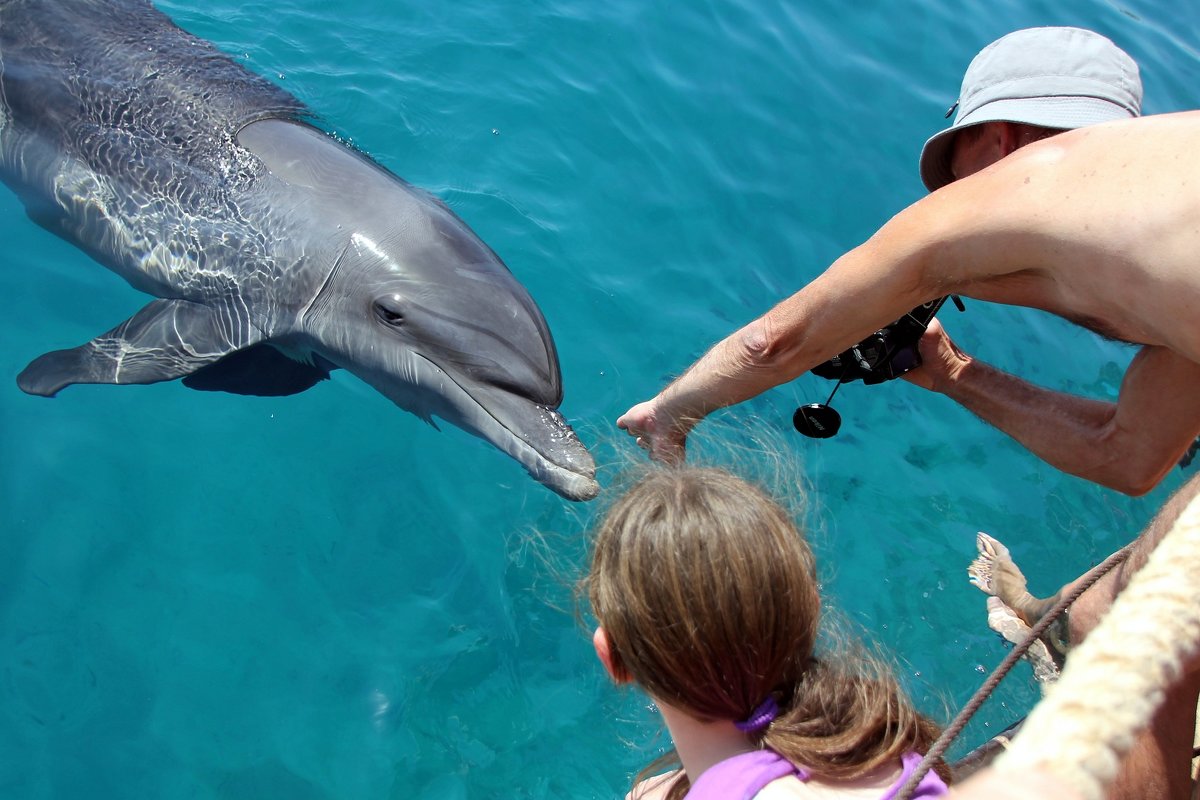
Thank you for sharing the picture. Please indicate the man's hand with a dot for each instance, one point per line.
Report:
(665, 440)
(941, 360)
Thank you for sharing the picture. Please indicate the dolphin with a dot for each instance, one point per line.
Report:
(275, 252)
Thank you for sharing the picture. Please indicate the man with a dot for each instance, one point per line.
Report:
(1022, 88)
(1018, 91)
(1100, 225)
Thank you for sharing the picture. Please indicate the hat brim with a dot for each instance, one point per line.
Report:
(1046, 112)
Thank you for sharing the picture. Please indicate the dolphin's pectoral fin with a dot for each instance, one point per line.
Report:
(165, 340)
(259, 370)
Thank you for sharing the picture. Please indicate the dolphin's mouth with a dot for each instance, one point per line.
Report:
(535, 435)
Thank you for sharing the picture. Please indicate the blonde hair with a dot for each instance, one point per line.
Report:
(709, 597)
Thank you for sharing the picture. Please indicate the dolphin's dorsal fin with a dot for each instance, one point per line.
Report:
(259, 370)
(167, 339)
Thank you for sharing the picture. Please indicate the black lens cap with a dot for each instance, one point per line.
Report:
(817, 421)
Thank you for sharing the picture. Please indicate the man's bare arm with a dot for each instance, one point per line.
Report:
(1129, 445)
(865, 289)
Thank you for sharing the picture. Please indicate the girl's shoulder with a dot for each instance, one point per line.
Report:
(654, 788)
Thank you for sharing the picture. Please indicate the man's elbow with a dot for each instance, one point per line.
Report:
(1132, 475)
(758, 349)
(1135, 485)
(776, 343)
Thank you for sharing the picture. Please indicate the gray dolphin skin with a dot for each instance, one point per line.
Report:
(276, 253)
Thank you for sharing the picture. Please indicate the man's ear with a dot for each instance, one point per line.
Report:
(604, 652)
(1008, 138)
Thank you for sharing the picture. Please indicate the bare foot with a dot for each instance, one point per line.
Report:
(1004, 621)
(994, 572)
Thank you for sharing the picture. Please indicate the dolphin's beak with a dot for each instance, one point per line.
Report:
(539, 438)
(534, 434)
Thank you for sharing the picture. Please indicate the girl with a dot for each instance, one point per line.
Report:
(706, 598)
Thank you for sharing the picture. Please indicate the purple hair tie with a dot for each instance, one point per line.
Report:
(760, 717)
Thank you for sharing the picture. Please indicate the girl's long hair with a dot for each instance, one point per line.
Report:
(708, 594)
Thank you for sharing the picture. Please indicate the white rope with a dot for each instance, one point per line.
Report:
(1115, 680)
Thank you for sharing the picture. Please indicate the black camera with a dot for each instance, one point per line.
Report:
(886, 354)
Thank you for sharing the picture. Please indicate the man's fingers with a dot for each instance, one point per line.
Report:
(635, 420)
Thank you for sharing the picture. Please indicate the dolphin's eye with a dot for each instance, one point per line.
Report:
(389, 310)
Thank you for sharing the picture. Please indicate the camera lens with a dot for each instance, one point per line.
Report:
(817, 421)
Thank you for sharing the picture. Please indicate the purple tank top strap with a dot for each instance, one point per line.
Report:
(743, 776)
(931, 784)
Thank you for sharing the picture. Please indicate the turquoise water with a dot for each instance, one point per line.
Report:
(319, 597)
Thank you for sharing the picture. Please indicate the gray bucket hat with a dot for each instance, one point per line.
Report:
(1051, 77)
